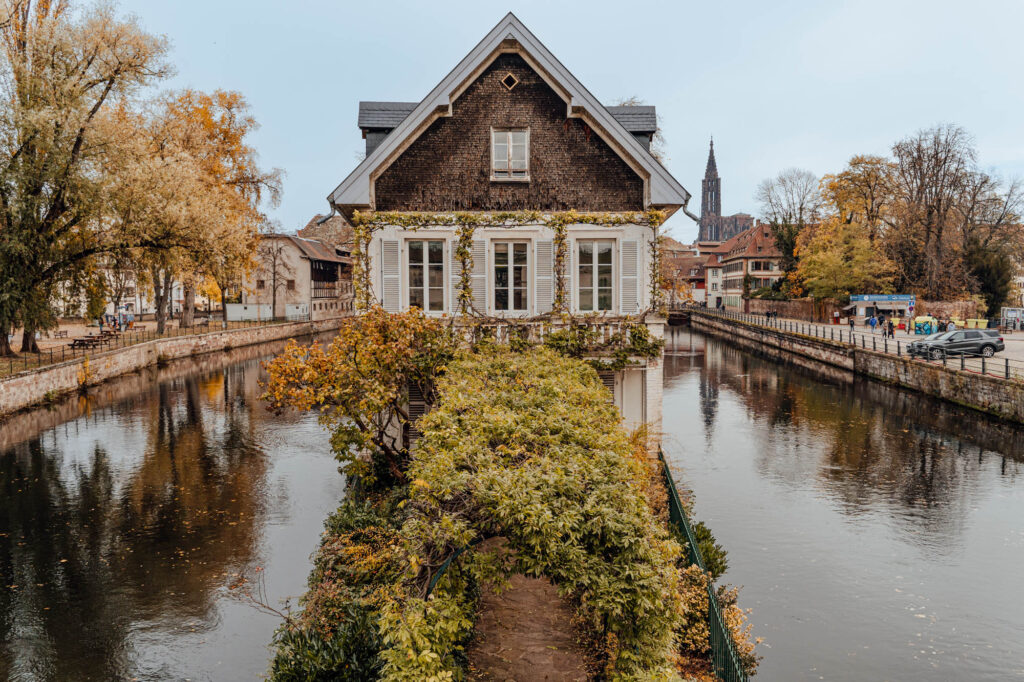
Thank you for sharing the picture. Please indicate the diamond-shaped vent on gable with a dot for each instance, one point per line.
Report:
(509, 81)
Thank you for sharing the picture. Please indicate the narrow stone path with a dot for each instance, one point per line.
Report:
(525, 634)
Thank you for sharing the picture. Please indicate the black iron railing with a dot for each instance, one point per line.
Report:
(724, 659)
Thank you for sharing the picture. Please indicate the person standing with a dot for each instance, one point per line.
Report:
(892, 329)
(872, 322)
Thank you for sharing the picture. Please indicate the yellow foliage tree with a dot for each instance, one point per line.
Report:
(838, 259)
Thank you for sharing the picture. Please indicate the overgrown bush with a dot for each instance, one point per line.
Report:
(337, 633)
(360, 384)
(528, 447)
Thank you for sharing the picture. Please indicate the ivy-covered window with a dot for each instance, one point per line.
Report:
(595, 274)
(510, 289)
(510, 157)
(426, 275)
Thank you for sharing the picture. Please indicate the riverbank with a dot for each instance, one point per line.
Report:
(49, 383)
(1000, 397)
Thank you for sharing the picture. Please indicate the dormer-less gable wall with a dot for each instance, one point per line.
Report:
(448, 168)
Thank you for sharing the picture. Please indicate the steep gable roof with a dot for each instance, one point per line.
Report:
(510, 35)
(755, 242)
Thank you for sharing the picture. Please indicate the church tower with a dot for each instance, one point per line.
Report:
(710, 200)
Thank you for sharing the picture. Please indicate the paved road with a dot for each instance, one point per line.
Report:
(996, 366)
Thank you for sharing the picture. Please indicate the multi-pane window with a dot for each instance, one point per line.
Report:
(510, 276)
(426, 275)
(510, 155)
(595, 274)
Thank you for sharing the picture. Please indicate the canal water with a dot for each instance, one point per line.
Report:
(138, 527)
(877, 534)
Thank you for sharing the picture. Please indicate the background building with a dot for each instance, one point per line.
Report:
(715, 227)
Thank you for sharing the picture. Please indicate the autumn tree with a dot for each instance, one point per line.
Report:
(862, 193)
(215, 128)
(60, 75)
(361, 383)
(838, 258)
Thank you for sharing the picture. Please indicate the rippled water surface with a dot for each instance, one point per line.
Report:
(878, 534)
(125, 522)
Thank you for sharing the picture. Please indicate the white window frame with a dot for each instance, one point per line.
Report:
(508, 150)
(407, 280)
(576, 273)
(492, 287)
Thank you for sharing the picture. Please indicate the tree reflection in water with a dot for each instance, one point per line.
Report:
(876, 531)
(144, 527)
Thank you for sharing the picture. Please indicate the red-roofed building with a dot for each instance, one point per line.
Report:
(748, 261)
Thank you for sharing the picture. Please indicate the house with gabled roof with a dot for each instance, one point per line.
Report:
(296, 278)
(749, 261)
(510, 195)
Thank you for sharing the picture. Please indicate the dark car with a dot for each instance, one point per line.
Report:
(973, 342)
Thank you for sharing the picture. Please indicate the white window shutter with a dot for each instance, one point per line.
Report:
(479, 276)
(456, 278)
(390, 265)
(545, 277)
(629, 282)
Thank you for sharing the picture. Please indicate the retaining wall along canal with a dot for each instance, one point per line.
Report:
(38, 385)
(1000, 397)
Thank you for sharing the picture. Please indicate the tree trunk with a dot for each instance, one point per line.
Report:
(189, 309)
(28, 340)
(159, 301)
(223, 305)
(5, 345)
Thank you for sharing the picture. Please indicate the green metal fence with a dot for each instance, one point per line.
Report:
(724, 659)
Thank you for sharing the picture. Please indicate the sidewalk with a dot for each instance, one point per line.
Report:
(1007, 364)
(1014, 341)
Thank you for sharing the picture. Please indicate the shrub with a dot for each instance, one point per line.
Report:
(528, 447)
(337, 634)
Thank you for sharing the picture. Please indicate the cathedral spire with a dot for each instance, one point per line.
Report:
(711, 198)
(712, 169)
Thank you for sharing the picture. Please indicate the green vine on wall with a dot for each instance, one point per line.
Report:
(364, 224)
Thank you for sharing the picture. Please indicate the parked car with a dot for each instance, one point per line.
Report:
(976, 342)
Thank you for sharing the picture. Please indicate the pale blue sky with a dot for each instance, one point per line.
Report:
(779, 84)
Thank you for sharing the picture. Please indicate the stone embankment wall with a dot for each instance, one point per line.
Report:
(989, 394)
(38, 385)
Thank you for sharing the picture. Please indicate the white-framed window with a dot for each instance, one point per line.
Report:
(510, 154)
(594, 275)
(511, 291)
(426, 274)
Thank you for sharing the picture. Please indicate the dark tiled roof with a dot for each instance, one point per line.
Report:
(387, 115)
(313, 249)
(639, 119)
(334, 231)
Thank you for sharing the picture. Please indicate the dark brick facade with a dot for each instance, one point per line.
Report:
(448, 167)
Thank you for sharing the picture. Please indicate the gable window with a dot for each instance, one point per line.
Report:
(595, 274)
(426, 275)
(510, 276)
(510, 154)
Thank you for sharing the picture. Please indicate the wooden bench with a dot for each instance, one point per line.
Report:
(60, 334)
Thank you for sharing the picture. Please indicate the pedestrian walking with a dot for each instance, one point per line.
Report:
(892, 329)
(872, 322)
(852, 322)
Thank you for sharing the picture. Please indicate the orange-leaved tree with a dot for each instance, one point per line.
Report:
(361, 384)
